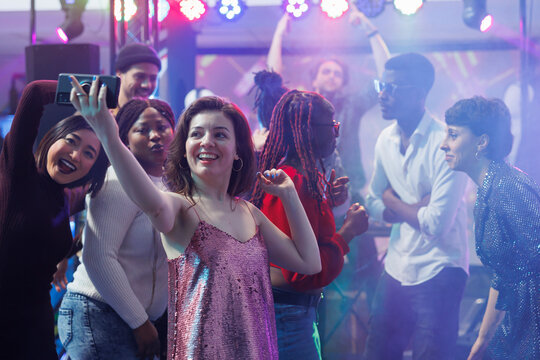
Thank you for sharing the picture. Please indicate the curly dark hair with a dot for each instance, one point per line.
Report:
(177, 174)
(484, 116)
(96, 175)
(291, 137)
(269, 89)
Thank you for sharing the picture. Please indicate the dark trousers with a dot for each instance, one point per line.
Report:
(427, 313)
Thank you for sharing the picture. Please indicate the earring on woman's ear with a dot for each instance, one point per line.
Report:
(477, 155)
(241, 165)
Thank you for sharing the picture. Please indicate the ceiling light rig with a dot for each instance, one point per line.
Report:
(192, 9)
(72, 25)
(408, 7)
(475, 15)
(297, 8)
(231, 10)
(334, 8)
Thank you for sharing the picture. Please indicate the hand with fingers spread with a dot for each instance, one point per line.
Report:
(356, 222)
(339, 189)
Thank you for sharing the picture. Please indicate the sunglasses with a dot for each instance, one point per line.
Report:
(390, 88)
(335, 126)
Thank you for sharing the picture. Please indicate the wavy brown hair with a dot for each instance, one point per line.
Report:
(96, 175)
(177, 174)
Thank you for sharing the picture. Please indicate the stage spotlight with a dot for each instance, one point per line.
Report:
(231, 9)
(163, 9)
(130, 9)
(334, 8)
(408, 7)
(192, 9)
(72, 25)
(475, 15)
(296, 8)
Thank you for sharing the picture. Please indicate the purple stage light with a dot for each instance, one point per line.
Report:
(62, 35)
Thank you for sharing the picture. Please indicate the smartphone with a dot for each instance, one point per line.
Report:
(63, 89)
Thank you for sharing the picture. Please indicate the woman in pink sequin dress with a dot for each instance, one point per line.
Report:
(219, 247)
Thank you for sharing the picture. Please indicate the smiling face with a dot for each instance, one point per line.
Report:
(71, 158)
(460, 146)
(211, 146)
(138, 82)
(149, 138)
(329, 78)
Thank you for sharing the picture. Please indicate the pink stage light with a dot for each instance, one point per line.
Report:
(296, 8)
(192, 9)
(334, 8)
(486, 23)
(62, 35)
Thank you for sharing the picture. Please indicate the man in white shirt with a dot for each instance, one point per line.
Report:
(426, 267)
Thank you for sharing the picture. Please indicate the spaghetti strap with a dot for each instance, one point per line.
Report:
(247, 205)
(196, 213)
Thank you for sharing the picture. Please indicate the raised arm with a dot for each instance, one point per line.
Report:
(18, 154)
(274, 60)
(158, 205)
(376, 41)
(302, 253)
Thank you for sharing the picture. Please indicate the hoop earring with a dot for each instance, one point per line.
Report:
(477, 155)
(241, 165)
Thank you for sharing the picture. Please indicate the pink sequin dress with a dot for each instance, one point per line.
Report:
(220, 299)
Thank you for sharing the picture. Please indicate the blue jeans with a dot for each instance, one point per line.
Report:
(427, 313)
(298, 336)
(91, 329)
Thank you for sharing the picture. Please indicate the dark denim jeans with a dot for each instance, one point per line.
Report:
(298, 336)
(427, 313)
(92, 330)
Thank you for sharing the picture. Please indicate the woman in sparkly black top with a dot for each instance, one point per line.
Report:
(507, 227)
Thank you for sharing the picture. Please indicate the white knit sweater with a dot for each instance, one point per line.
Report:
(122, 257)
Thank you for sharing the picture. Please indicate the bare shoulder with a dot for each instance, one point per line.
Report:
(257, 213)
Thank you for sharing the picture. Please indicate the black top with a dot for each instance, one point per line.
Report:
(34, 234)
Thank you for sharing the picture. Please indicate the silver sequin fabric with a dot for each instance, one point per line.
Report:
(507, 232)
(220, 299)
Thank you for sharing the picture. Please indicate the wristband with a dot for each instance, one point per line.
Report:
(372, 33)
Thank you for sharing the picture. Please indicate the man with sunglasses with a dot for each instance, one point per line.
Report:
(419, 292)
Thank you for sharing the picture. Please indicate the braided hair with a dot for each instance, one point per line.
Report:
(291, 138)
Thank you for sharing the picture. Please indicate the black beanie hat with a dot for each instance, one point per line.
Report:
(134, 54)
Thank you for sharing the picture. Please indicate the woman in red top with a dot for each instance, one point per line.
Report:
(303, 132)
